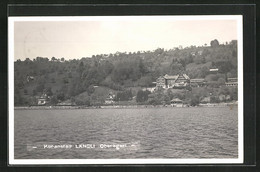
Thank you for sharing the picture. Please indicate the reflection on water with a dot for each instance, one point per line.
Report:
(141, 133)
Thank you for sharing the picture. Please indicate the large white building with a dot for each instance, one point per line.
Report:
(174, 81)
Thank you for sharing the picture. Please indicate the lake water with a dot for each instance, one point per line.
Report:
(126, 133)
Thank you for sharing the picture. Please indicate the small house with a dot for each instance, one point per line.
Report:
(110, 99)
(232, 79)
(232, 82)
(29, 78)
(151, 89)
(222, 97)
(205, 100)
(213, 71)
(43, 100)
(200, 52)
(200, 82)
(161, 82)
(176, 102)
(193, 53)
(66, 103)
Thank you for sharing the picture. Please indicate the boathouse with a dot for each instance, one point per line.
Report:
(176, 102)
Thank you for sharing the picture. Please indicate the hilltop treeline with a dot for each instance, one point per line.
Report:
(66, 79)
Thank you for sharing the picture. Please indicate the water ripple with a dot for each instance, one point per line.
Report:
(153, 133)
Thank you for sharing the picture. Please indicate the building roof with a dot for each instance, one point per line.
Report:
(176, 100)
(213, 70)
(205, 100)
(44, 96)
(175, 76)
(231, 83)
(197, 80)
(171, 76)
(161, 77)
(232, 79)
(65, 104)
(186, 76)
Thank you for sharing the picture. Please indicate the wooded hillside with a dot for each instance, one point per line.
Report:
(77, 80)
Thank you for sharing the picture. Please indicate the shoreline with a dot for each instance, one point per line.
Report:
(231, 104)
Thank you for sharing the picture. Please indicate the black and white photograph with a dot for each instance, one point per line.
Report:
(125, 89)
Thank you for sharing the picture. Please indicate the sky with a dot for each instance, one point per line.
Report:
(77, 39)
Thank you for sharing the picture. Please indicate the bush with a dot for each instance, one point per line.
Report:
(61, 96)
(124, 96)
(82, 102)
(194, 101)
(65, 80)
(142, 96)
(53, 80)
(53, 100)
(40, 87)
(214, 99)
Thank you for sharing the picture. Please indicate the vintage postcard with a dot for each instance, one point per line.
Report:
(125, 90)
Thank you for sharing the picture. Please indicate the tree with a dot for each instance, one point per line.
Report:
(214, 99)
(83, 101)
(221, 81)
(18, 61)
(176, 68)
(18, 99)
(224, 66)
(53, 100)
(234, 53)
(61, 96)
(27, 60)
(214, 43)
(234, 94)
(203, 72)
(65, 80)
(159, 51)
(106, 67)
(203, 60)
(145, 81)
(53, 80)
(53, 59)
(157, 97)
(48, 91)
(81, 68)
(167, 99)
(124, 95)
(224, 90)
(70, 75)
(205, 53)
(233, 43)
(34, 92)
(90, 89)
(40, 87)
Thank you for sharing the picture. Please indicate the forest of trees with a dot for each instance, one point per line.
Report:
(125, 74)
